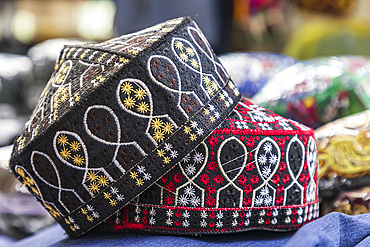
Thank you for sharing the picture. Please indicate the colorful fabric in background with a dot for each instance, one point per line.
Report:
(318, 91)
(251, 71)
(344, 154)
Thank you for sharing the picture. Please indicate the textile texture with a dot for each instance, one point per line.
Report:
(108, 109)
(334, 229)
(147, 132)
(256, 171)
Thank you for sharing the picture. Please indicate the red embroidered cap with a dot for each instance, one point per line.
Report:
(257, 170)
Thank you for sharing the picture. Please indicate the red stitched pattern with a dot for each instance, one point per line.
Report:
(250, 175)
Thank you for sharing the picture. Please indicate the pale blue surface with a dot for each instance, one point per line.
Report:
(334, 229)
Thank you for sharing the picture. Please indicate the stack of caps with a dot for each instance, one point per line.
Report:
(251, 71)
(344, 151)
(318, 91)
(147, 132)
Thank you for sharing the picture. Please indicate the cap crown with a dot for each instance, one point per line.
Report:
(116, 116)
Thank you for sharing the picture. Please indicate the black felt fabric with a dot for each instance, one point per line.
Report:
(108, 109)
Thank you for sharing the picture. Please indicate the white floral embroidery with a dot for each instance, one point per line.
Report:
(185, 223)
(203, 214)
(174, 154)
(169, 213)
(203, 223)
(120, 197)
(147, 176)
(90, 208)
(167, 146)
(152, 212)
(186, 159)
(219, 215)
(151, 221)
(141, 169)
(234, 223)
(219, 224)
(193, 124)
(200, 131)
(169, 222)
(189, 190)
(96, 215)
(182, 200)
(186, 214)
(198, 157)
(190, 169)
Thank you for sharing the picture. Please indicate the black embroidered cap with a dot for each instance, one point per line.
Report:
(118, 115)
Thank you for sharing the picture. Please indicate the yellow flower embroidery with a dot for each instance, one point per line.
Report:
(166, 160)
(100, 78)
(90, 218)
(75, 146)
(35, 191)
(139, 182)
(143, 107)
(94, 187)
(65, 154)
(62, 140)
(187, 129)
(183, 57)
(158, 136)
(83, 211)
(54, 213)
(103, 181)
(190, 51)
(64, 97)
(212, 119)
(107, 195)
(129, 102)
(29, 180)
(55, 115)
(179, 45)
(160, 152)
(157, 124)
(206, 79)
(206, 111)
(167, 129)
(126, 88)
(194, 63)
(20, 172)
(210, 90)
(78, 160)
(123, 60)
(140, 94)
(112, 202)
(193, 137)
(133, 175)
(91, 175)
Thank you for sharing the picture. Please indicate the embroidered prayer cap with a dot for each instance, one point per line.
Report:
(257, 170)
(116, 116)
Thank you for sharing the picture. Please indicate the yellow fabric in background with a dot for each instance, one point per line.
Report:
(327, 37)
